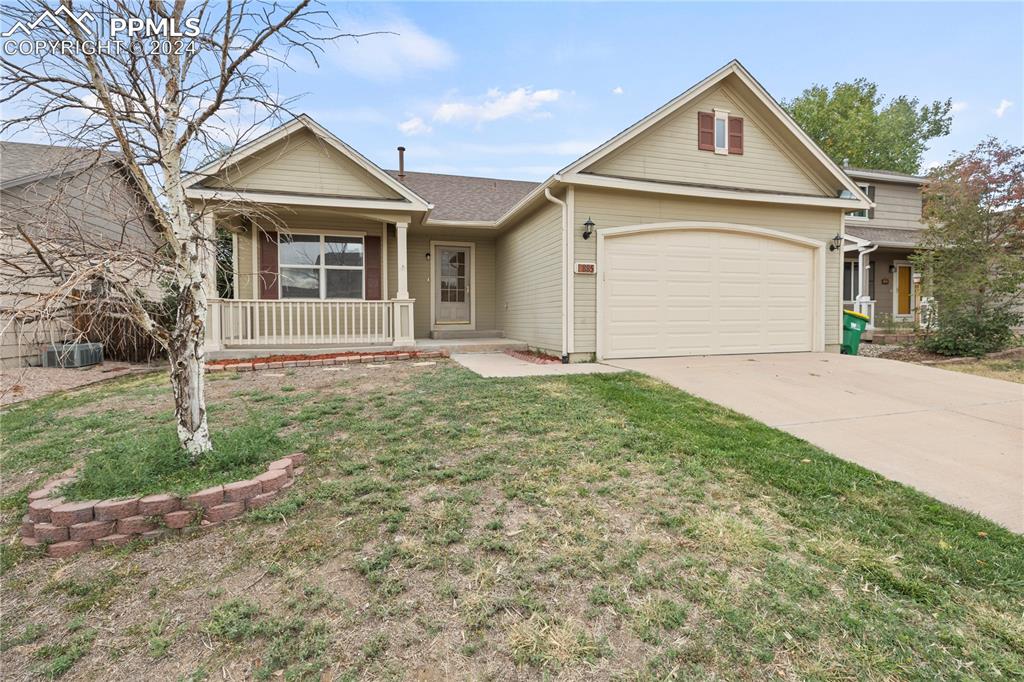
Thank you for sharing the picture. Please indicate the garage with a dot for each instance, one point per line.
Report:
(711, 289)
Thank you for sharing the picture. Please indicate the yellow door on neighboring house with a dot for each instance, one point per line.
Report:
(904, 279)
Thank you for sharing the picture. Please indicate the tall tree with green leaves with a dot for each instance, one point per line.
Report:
(972, 253)
(852, 122)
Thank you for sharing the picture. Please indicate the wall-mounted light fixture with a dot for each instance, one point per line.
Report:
(588, 228)
(892, 269)
(837, 243)
(427, 255)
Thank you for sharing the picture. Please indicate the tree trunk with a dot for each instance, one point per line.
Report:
(188, 358)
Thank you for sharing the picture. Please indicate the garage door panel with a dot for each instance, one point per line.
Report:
(695, 292)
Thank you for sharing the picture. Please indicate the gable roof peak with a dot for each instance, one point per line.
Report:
(736, 68)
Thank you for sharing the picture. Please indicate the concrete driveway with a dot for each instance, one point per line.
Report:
(957, 437)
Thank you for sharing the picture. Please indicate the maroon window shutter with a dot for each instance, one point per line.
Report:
(371, 267)
(735, 135)
(268, 265)
(706, 131)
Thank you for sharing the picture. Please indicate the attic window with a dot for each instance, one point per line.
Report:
(719, 132)
(864, 213)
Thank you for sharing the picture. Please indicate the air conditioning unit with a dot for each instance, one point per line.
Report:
(72, 355)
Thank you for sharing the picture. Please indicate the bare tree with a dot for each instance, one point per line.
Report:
(162, 85)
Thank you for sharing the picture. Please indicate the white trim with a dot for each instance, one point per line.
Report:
(817, 303)
(435, 282)
(732, 68)
(229, 195)
(895, 290)
(591, 180)
(282, 131)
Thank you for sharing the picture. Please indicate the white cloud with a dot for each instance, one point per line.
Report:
(1004, 105)
(929, 166)
(398, 49)
(958, 107)
(617, 90)
(497, 105)
(414, 126)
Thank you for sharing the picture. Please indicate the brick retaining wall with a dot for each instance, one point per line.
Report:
(67, 528)
(324, 360)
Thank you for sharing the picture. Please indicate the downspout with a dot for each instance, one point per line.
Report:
(860, 269)
(565, 267)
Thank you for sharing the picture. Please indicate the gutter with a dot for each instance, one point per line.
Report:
(565, 268)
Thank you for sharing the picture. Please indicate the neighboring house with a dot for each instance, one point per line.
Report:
(65, 193)
(713, 225)
(879, 279)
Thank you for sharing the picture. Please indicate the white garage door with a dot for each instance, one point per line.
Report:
(705, 292)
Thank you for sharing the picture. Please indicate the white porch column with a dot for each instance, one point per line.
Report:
(403, 266)
(401, 304)
(209, 255)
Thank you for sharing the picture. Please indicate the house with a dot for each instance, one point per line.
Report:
(713, 225)
(879, 279)
(65, 193)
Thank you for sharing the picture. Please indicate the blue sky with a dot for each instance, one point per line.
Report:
(519, 90)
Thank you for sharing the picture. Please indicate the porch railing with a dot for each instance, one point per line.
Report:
(235, 322)
(864, 306)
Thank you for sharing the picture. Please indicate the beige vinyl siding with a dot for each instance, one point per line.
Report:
(529, 286)
(896, 206)
(668, 153)
(243, 259)
(302, 163)
(418, 241)
(614, 209)
(96, 202)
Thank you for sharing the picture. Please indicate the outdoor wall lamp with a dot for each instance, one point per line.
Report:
(427, 254)
(588, 228)
(892, 269)
(837, 243)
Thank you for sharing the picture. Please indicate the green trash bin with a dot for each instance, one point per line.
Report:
(854, 325)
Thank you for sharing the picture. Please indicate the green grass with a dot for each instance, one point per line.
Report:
(607, 526)
(130, 454)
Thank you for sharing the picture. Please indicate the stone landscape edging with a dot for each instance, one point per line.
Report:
(67, 528)
(333, 359)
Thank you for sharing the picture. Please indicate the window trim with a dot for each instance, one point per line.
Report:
(723, 116)
(863, 213)
(323, 267)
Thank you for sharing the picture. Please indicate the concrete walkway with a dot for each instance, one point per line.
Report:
(502, 365)
(957, 437)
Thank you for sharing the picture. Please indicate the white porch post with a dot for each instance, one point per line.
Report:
(403, 266)
(213, 329)
(402, 304)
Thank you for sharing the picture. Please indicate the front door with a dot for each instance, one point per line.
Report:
(904, 290)
(452, 285)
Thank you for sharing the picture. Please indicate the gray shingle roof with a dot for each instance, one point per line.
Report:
(886, 235)
(22, 162)
(461, 197)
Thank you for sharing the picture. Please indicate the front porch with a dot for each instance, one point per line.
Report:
(309, 278)
(883, 284)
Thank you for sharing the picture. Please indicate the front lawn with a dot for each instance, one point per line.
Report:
(448, 526)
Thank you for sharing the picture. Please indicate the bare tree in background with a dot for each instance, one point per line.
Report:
(161, 103)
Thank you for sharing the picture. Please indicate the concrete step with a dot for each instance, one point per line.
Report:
(465, 334)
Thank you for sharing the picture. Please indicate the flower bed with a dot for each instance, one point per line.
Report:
(67, 528)
(322, 360)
